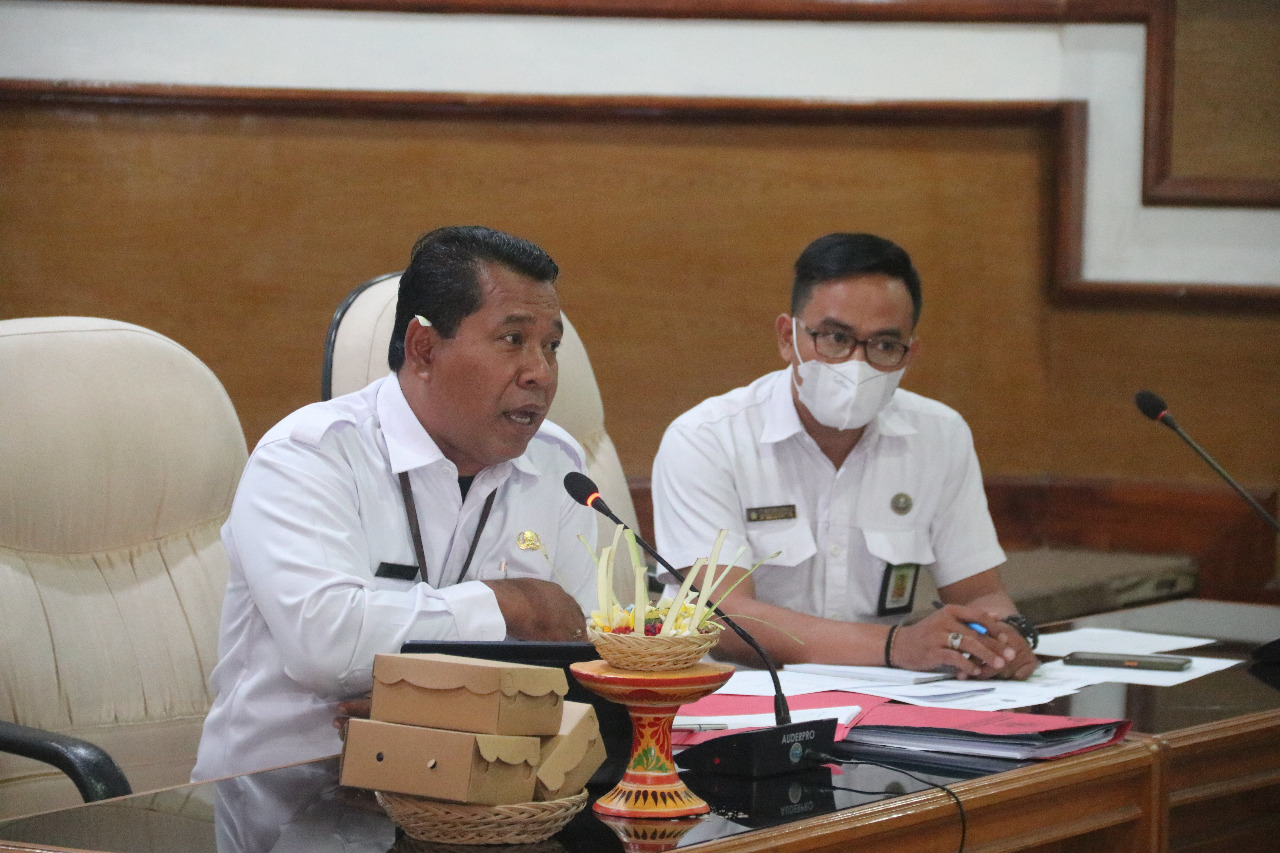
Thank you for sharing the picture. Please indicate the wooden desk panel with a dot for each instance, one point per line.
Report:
(1221, 784)
(1105, 800)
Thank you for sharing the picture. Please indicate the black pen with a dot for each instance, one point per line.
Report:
(937, 605)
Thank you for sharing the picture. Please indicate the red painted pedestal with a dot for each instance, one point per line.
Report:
(651, 787)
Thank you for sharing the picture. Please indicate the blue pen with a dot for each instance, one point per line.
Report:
(937, 605)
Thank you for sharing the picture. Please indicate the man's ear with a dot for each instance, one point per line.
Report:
(784, 331)
(419, 347)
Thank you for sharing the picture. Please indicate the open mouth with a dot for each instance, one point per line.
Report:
(527, 417)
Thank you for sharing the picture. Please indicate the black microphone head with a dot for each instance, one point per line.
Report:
(1150, 404)
(583, 490)
(580, 487)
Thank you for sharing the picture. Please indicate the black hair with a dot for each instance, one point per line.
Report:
(441, 282)
(843, 255)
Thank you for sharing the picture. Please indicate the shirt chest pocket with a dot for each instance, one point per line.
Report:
(793, 543)
(897, 547)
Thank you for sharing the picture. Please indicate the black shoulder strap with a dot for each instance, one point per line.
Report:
(407, 491)
(414, 531)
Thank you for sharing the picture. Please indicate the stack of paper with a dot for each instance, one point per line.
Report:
(1002, 734)
(868, 674)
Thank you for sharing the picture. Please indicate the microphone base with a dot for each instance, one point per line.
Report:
(763, 752)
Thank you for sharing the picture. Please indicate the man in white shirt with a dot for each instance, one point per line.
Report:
(853, 484)
(329, 566)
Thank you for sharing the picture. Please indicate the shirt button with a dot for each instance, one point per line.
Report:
(835, 550)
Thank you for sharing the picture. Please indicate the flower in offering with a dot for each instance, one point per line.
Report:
(686, 614)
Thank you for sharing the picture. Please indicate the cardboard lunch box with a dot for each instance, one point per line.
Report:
(463, 767)
(468, 694)
(568, 759)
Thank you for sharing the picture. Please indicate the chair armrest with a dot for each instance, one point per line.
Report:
(94, 772)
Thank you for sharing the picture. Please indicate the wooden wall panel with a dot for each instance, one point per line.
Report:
(1212, 133)
(236, 231)
(1226, 105)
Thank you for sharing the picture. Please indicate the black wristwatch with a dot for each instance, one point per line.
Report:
(1023, 626)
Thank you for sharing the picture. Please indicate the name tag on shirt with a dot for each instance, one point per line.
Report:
(771, 513)
(396, 571)
(898, 588)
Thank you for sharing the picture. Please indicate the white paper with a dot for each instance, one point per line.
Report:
(866, 674)
(756, 682)
(843, 714)
(1086, 675)
(1113, 640)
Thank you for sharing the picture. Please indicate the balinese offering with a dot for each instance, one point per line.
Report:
(673, 634)
(651, 665)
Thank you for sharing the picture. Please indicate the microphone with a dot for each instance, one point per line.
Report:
(1153, 406)
(764, 752)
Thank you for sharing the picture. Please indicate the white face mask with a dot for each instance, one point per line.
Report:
(847, 395)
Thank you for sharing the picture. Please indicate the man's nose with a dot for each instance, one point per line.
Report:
(539, 367)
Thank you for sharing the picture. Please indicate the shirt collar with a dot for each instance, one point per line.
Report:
(891, 420)
(409, 445)
(781, 421)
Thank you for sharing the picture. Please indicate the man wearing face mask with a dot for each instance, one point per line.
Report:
(845, 486)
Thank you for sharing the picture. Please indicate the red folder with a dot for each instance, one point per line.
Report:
(996, 733)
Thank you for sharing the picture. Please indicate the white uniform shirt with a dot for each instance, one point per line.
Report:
(318, 509)
(747, 449)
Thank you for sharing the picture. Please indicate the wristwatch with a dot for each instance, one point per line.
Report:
(1023, 626)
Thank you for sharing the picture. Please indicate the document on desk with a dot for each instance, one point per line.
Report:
(949, 693)
(973, 695)
(1002, 734)
(1063, 643)
(866, 674)
(756, 682)
(752, 712)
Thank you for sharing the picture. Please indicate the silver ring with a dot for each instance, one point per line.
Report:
(577, 632)
(954, 638)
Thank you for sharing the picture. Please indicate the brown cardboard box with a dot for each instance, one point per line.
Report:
(460, 766)
(569, 758)
(468, 694)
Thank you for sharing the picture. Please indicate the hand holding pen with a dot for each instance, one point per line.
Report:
(937, 643)
(976, 627)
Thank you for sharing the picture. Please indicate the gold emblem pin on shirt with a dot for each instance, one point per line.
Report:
(901, 503)
(529, 541)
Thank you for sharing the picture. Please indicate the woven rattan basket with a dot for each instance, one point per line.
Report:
(464, 823)
(663, 653)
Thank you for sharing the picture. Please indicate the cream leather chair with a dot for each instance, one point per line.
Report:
(356, 354)
(119, 455)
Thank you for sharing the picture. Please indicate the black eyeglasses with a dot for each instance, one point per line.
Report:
(883, 351)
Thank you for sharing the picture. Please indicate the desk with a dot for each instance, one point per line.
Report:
(1204, 775)
(1102, 801)
(1218, 736)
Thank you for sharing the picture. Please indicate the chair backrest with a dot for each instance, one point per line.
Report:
(119, 456)
(356, 354)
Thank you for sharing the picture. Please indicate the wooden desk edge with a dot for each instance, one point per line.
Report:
(985, 796)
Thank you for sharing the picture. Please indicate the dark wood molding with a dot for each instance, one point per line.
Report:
(603, 108)
(1159, 185)
(1068, 121)
(931, 11)
(1234, 549)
